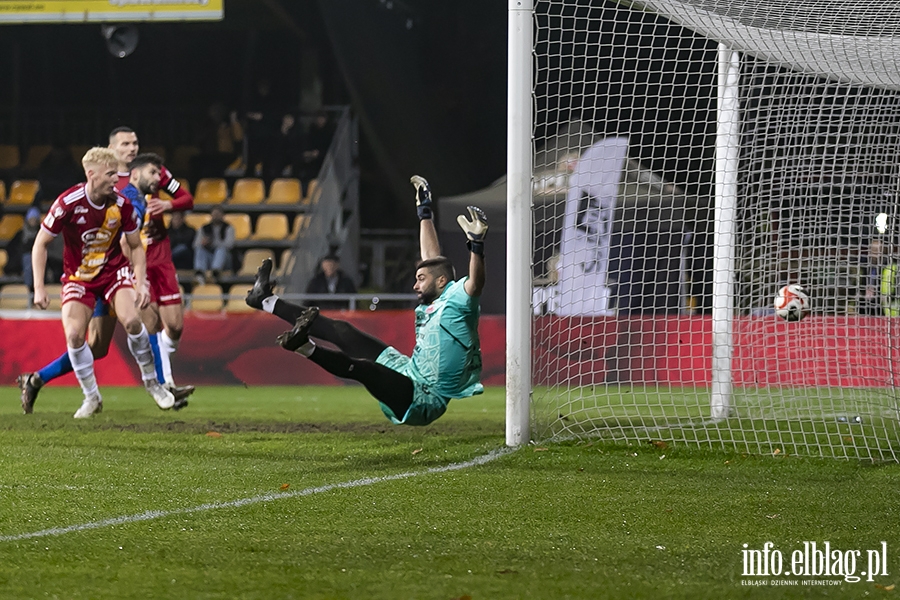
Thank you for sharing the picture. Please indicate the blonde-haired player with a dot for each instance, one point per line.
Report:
(92, 217)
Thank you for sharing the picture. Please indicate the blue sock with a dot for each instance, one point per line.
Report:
(57, 368)
(154, 345)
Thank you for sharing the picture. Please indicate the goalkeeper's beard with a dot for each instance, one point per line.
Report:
(429, 295)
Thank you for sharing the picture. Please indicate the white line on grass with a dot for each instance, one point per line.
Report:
(157, 514)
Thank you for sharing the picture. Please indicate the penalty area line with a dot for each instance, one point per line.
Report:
(159, 514)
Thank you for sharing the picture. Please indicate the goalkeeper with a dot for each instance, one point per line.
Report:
(446, 360)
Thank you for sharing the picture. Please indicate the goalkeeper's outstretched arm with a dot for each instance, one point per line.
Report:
(429, 246)
(475, 229)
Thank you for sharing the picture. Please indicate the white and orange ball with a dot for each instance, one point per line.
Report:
(792, 303)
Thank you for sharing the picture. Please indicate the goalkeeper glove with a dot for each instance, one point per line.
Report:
(475, 229)
(423, 197)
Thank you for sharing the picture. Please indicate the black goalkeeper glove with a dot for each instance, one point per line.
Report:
(423, 197)
(475, 229)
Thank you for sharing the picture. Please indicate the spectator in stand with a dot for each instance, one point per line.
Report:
(221, 143)
(330, 279)
(181, 237)
(29, 233)
(318, 140)
(212, 246)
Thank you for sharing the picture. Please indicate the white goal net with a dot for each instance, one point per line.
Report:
(690, 158)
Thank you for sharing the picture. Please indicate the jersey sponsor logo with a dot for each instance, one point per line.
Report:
(80, 209)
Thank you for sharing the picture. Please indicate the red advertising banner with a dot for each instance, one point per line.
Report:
(223, 349)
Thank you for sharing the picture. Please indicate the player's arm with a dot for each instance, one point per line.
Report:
(39, 266)
(429, 246)
(139, 264)
(475, 230)
(181, 198)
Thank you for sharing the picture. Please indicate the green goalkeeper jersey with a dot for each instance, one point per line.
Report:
(447, 356)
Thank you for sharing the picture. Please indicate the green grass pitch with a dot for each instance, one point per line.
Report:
(576, 519)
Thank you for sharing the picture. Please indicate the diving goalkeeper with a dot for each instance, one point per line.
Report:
(446, 360)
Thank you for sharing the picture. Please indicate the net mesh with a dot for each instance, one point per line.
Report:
(624, 205)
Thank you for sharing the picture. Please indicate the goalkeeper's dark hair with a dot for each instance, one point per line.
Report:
(147, 158)
(437, 266)
(121, 129)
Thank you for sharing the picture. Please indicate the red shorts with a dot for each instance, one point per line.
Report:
(163, 280)
(104, 285)
(161, 274)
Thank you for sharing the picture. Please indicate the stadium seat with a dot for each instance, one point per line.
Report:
(181, 158)
(235, 302)
(211, 191)
(196, 220)
(301, 222)
(207, 297)
(241, 224)
(184, 183)
(312, 192)
(252, 259)
(9, 226)
(54, 292)
(271, 226)
(9, 157)
(4, 258)
(286, 263)
(78, 151)
(22, 192)
(248, 190)
(36, 155)
(2, 191)
(14, 297)
(284, 191)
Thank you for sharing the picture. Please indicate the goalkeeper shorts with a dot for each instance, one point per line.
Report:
(426, 405)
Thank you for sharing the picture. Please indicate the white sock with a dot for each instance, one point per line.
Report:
(269, 303)
(306, 349)
(139, 345)
(83, 365)
(167, 348)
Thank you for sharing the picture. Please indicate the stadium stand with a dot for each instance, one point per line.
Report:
(235, 301)
(9, 226)
(312, 192)
(301, 222)
(54, 292)
(4, 258)
(207, 297)
(14, 296)
(286, 262)
(241, 224)
(284, 191)
(252, 259)
(9, 157)
(78, 151)
(271, 227)
(22, 192)
(211, 191)
(248, 190)
(196, 219)
(2, 191)
(35, 156)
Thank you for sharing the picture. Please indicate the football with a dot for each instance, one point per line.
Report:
(792, 303)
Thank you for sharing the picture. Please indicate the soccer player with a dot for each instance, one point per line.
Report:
(165, 313)
(446, 359)
(93, 218)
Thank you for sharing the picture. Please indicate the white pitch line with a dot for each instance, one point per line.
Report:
(158, 514)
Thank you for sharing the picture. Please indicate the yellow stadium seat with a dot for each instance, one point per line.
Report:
(14, 297)
(36, 155)
(9, 156)
(196, 220)
(253, 258)
(284, 191)
(2, 191)
(211, 191)
(285, 265)
(241, 224)
(248, 190)
(301, 222)
(54, 292)
(207, 297)
(312, 192)
(235, 302)
(4, 258)
(22, 192)
(271, 226)
(10, 225)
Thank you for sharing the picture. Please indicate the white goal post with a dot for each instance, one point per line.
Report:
(671, 164)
